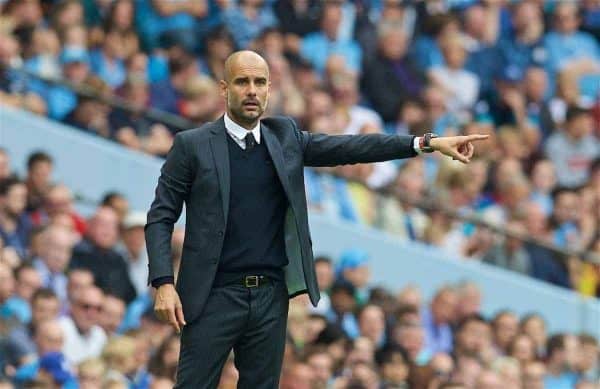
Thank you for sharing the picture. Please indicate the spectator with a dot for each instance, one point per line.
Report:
(39, 171)
(511, 253)
(459, 86)
(437, 320)
(165, 94)
(321, 363)
(533, 375)
(371, 324)
(560, 351)
(573, 149)
(58, 203)
(588, 366)
(83, 336)
(473, 337)
(246, 21)
(91, 373)
(318, 47)
(54, 258)
(96, 252)
(45, 307)
(567, 46)
(133, 249)
(118, 202)
(524, 47)
(325, 279)
(111, 314)
(391, 67)
(107, 61)
(15, 226)
(119, 355)
(522, 349)
(353, 268)
(27, 282)
(394, 367)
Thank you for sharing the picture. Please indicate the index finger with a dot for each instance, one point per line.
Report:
(473, 137)
(173, 319)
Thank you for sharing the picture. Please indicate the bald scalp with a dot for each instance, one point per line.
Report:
(241, 58)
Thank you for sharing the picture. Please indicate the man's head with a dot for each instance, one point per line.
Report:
(473, 336)
(524, 14)
(393, 42)
(536, 83)
(353, 267)
(298, 376)
(535, 326)
(133, 232)
(103, 229)
(86, 308)
(331, 18)
(57, 246)
(533, 375)
(443, 305)
(505, 325)
(48, 337)
(324, 270)
(44, 306)
(113, 311)
(13, 197)
(395, 364)
(590, 353)
(39, 169)
(245, 87)
(77, 280)
(28, 281)
(321, 363)
(561, 351)
(566, 17)
(579, 122)
(58, 199)
(371, 322)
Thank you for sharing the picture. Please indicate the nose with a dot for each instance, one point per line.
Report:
(251, 89)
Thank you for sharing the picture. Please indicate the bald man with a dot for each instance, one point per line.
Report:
(247, 247)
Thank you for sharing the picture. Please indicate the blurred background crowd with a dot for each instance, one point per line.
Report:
(74, 305)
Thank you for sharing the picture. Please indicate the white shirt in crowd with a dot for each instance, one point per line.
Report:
(77, 346)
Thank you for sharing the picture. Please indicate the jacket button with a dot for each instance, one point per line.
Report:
(220, 233)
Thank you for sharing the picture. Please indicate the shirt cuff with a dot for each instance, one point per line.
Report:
(162, 281)
(416, 142)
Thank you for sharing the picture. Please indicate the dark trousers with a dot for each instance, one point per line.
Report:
(252, 322)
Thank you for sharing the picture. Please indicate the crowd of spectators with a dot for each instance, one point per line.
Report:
(525, 72)
(76, 312)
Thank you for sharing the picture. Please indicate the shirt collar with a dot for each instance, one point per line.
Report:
(240, 132)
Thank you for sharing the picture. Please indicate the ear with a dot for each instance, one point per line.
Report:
(223, 88)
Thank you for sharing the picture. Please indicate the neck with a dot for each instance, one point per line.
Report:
(247, 125)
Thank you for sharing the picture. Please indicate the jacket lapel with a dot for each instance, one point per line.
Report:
(220, 152)
(276, 153)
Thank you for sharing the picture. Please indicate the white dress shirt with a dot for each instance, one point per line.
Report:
(238, 133)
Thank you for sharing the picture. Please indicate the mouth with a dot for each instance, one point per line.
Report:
(250, 105)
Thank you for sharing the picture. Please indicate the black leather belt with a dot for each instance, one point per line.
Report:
(249, 281)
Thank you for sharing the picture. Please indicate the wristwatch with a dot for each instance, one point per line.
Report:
(425, 142)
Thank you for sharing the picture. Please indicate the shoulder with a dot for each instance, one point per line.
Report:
(198, 134)
(279, 123)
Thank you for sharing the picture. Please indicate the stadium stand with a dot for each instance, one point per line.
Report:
(136, 72)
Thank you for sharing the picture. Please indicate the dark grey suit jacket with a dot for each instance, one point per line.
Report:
(197, 172)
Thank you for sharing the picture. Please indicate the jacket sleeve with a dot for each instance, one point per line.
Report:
(172, 190)
(332, 150)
